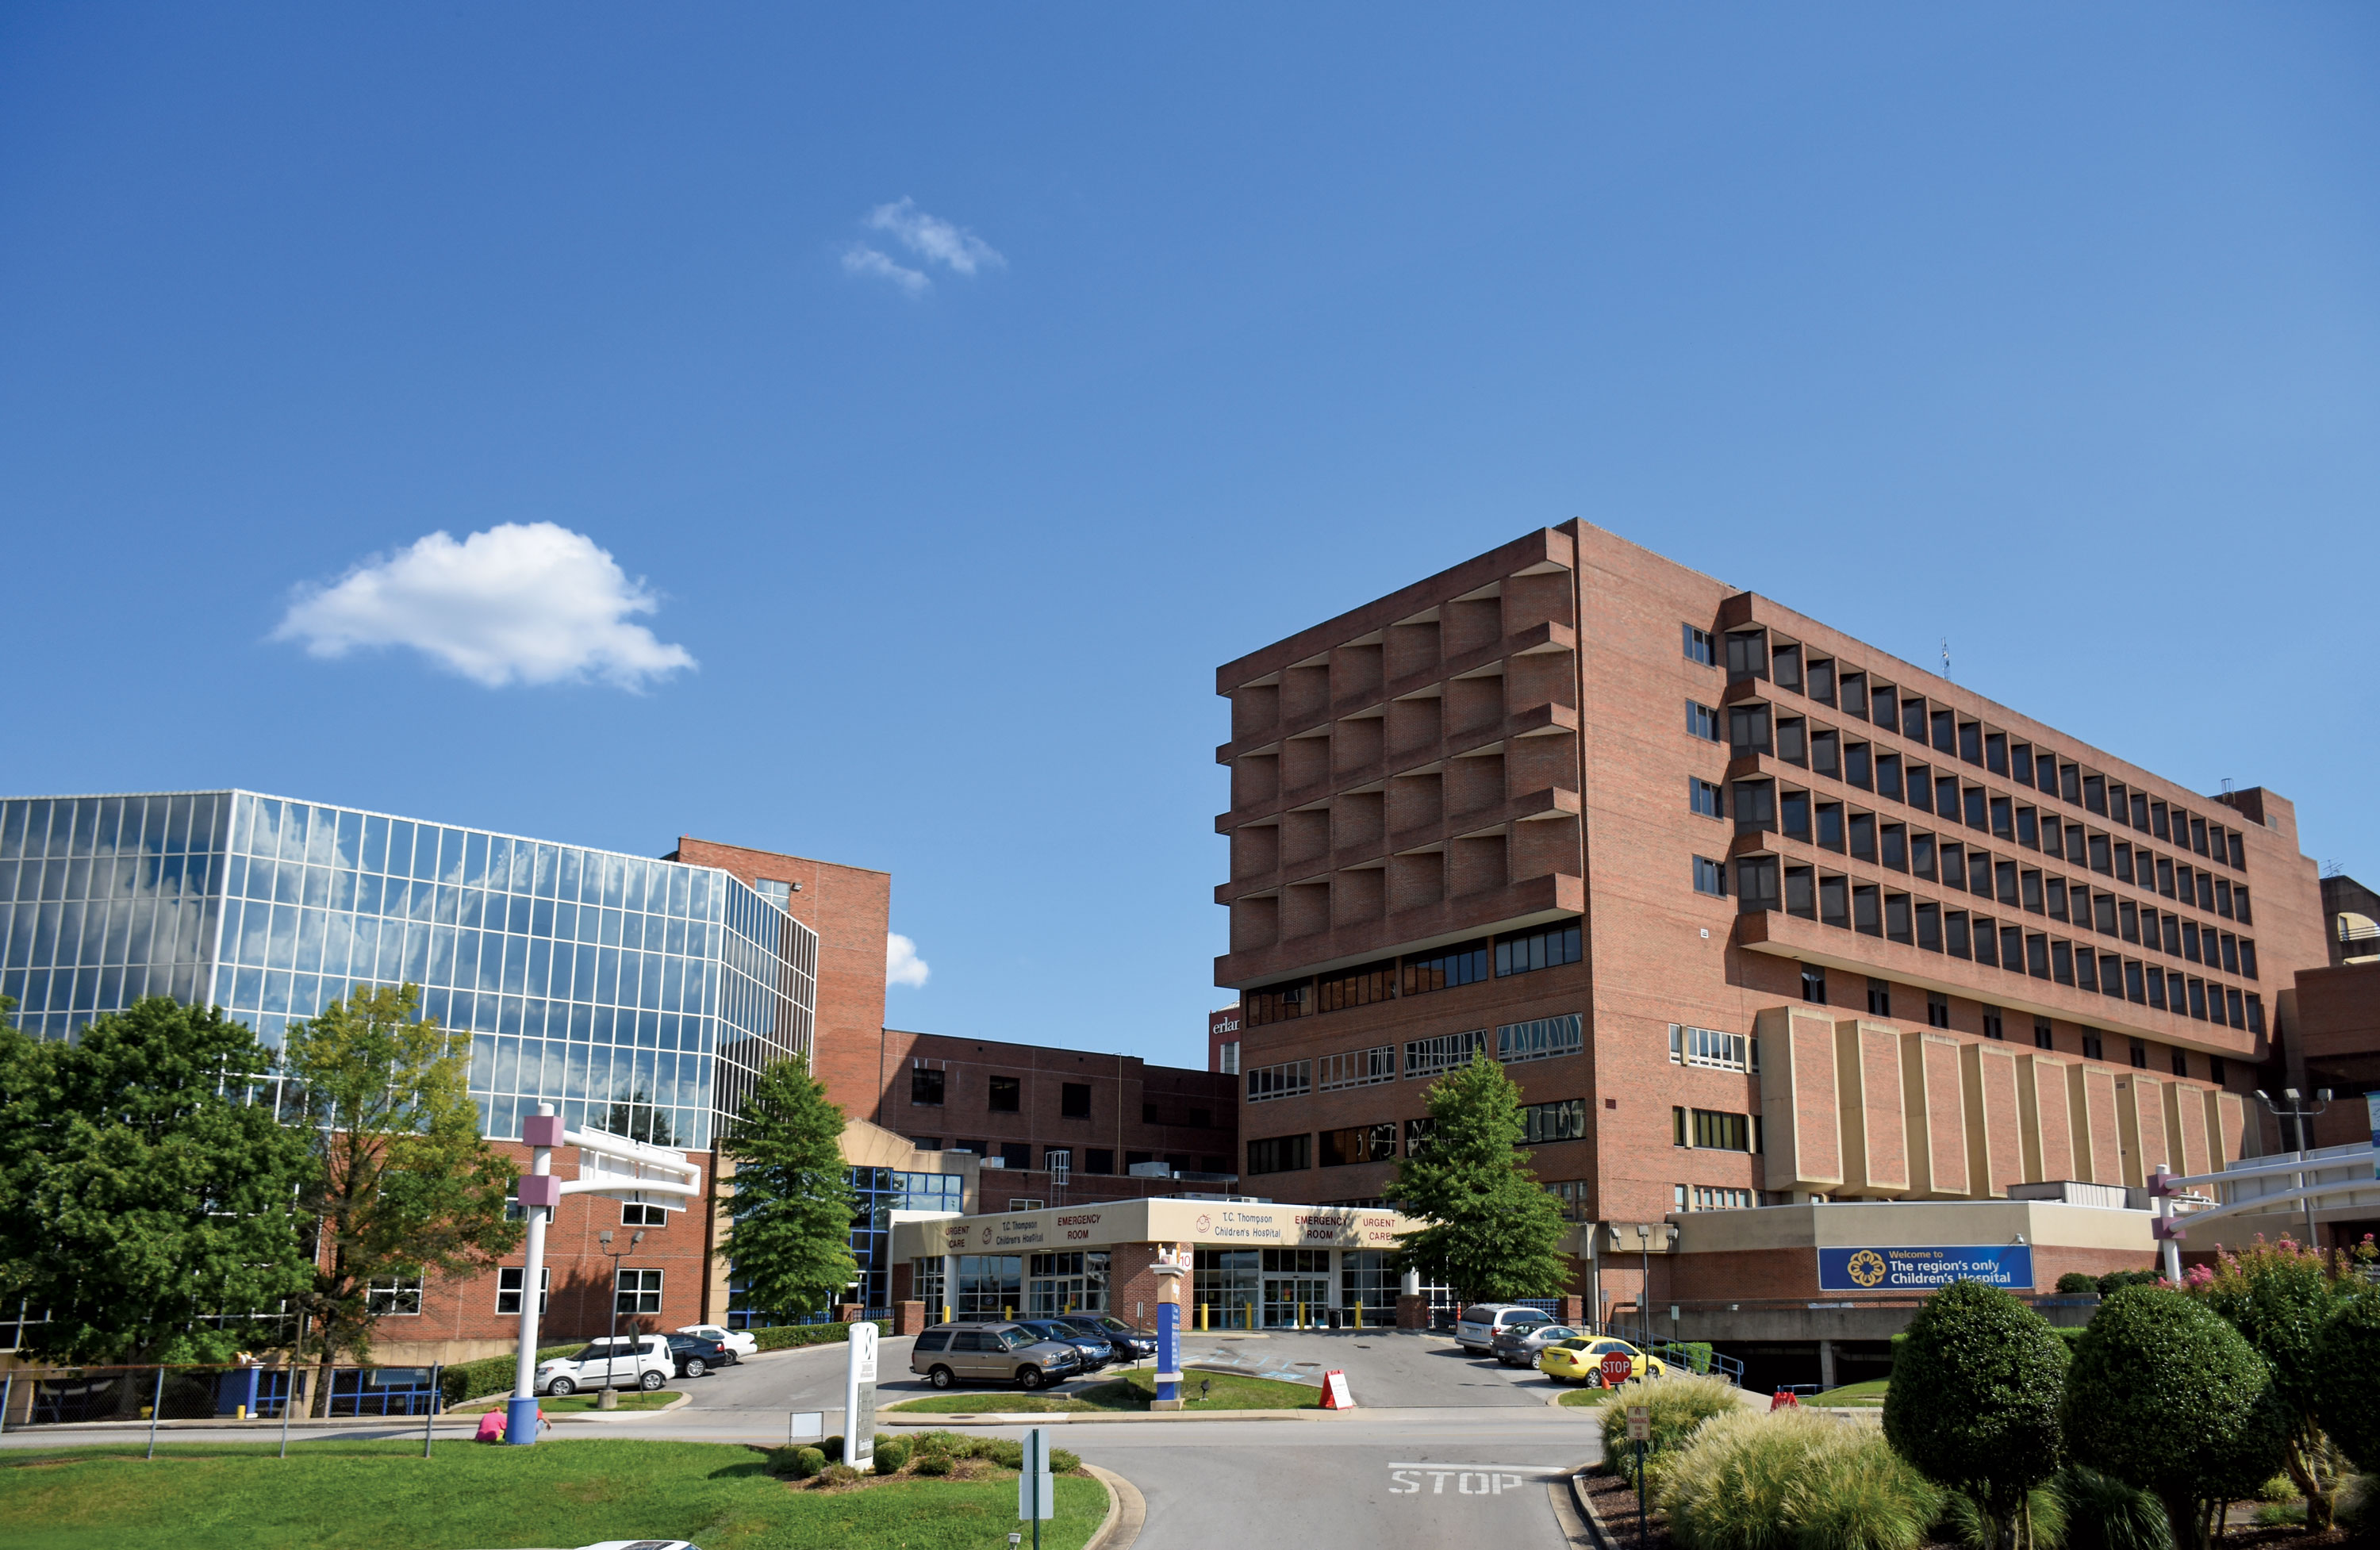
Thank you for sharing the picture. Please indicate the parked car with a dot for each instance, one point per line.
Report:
(1097, 1351)
(1005, 1352)
(696, 1354)
(740, 1343)
(1580, 1360)
(632, 1361)
(1482, 1321)
(1519, 1346)
(1130, 1344)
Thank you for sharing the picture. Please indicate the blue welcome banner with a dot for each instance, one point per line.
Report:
(1880, 1269)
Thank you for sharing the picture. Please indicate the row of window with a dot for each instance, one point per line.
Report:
(1764, 805)
(633, 1292)
(1942, 729)
(929, 1087)
(1018, 1155)
(1938, 1014)
(1562, 1120)
(1715, 1130)
(1541, 1038)
(1513, 952)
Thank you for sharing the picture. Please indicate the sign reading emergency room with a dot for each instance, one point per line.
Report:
(1994, 1265)
(1107, 1223)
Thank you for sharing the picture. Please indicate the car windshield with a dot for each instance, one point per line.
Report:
(1115, 1325)
(1014, 1339)
(1554, 1334)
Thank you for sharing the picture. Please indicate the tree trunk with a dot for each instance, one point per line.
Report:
(2304, 1462)
(2186, 1518)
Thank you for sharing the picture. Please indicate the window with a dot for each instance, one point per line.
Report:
(1921, 788)
(1358, 1067)
(1747, 653)
(1710, 876)
(1281, 1154)
(1888, 775)
(1016, 1154)
(2037, 954)
(1883, 703)
(2057, 898)
(1921, 854)
(1822, 680)
(1785, 664)
(508, 1288)
(1278, 1004)
(2013, 951)
(1813, 984)
(1541, 1122)
(927, 1143)
(1715, 1130)
(2181, 1063)
(2041, 1039)
(1801, 893)
(1286, 1080)
(2092, 1047)
(1443, 1052)
(1929, 926)
(925, 1085)
(1755, 806)
(2231, 1000)
(2198, 999)
(1416, 1136)
(1946, 797)
(1993, 1027)
(1541, 1038)
(1701, 797)
(1747, 729)
(1855, 764)
(1359, 1144)
(1465, 963)
(1756, 883)
(1711, 1049)
(2004, 873)
(2134, 990)
(1547, 947)
(1879, 998)
(2140, 1054)
(638, 1291)
(1830, 825)
(2061, 963)
(1794, 813)
(1356, 987)
(2002, 825)
(1075, 1100)
(1892, 845)
(1954, 864)
(1834, 900)
(2069, 783)
(1699, 647)
(1712, 1198)
(1938, 1011)
(1793, 738)
(1970, 737)
(1868, 914)
(634, 1214)
(2239, 851)
(1974, 810)
(1827, 753)
(1007, 1094)
(1863, 835)
(1896, 918)
(2255, 1019)
(2247, 958)
(397, 1296)
(1955, 937)
(1702, 722)
(1098, 1160)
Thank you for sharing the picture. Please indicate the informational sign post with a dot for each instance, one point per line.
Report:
(1640, 1432)
(2008, 1266)
(859, 1397)
(1172, 1264)
(1037, 1489)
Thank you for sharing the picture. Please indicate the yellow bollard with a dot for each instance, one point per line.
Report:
(1300, 1315)
(1202, 1317)
(1252, 1315)
(1359, 1313)
(1007, 1312)
(946, 1313)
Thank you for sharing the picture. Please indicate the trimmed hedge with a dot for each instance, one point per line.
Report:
(1975, 1397)
(467, 1381)
(2346, 1364)
(787, 1336)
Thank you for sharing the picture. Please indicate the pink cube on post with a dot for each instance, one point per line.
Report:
(543, 1130)
(540, 1188)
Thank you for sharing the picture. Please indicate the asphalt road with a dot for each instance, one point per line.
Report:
(1444, 1449)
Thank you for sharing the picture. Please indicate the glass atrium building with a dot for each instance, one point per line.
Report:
(640, 996)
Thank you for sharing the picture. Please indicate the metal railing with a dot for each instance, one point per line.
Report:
(1692, 1356)
(151, 1392)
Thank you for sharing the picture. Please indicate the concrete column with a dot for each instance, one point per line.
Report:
(950, 1289)
(1826, 1365)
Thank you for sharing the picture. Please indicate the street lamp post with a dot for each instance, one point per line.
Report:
(612, 1344)
(2294, 1110)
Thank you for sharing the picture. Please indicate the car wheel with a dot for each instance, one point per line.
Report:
(696, 1366)
(1029, 1379)
(650, 1382)
(562, 1387)
(941, 1378)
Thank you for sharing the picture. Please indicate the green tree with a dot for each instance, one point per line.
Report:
(404, 1186)
(2164, 1396)
(2279, 1296)
(2347, 1392)
(1974, 1404)
(141, 1193)
(1493, 1231)
(789, 1236)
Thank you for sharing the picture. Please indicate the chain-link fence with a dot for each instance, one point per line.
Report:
(82, 1396)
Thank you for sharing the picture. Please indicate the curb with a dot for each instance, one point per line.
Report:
(1585, 1509)
(1127, 1512)
(1088, 1418)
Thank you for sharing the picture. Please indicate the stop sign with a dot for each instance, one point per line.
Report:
(1617, 1368)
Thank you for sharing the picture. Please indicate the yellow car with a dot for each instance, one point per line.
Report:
(1580, 1360)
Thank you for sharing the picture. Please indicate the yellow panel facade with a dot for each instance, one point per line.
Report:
(1801, 1123)
(1876, 1136)
(2043, 1118)
(1995, 1147)
(1933, 1103)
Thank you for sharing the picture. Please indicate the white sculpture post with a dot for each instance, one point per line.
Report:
(608, 1165)
(859, 1396)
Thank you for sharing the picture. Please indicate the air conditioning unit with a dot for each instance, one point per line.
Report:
(1149, 1170)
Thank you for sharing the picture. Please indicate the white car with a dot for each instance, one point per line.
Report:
(633, 1361)
(739, 1342)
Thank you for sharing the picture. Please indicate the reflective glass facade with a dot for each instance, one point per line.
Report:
(877, 1192)
(635, 995)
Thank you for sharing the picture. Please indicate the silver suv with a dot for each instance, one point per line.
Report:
(1480, 1323)
(954, 1353)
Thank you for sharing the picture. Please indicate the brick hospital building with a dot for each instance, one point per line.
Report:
(1756, 916)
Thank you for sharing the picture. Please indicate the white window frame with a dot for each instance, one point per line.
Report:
(646, 1285)
(397, 1297)
(514, 1274)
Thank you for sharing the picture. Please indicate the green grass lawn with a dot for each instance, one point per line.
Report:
(1130, 1391)
(1869, 1393)
(369, 1496)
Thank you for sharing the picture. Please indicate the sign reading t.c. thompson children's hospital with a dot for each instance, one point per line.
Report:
(1994, 1265)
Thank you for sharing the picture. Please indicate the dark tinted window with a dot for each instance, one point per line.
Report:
(934, 1340)
(1005, 1092)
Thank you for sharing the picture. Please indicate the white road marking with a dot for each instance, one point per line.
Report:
(1505, 1469)
(1470, 1480)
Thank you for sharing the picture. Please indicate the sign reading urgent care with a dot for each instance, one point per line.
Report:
(2008, 1266)
(1105, 1223)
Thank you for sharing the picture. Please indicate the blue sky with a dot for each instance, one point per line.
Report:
(2053, 331)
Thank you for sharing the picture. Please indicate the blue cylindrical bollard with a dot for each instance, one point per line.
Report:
(521, 1421)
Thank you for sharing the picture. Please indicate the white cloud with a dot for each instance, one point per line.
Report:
(901, 964)
(863, 259)
(931, 238)
(531, 603)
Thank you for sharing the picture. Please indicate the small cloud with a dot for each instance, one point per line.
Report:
(931, 238)
(863, 259)
(528, 602)
(901, 964)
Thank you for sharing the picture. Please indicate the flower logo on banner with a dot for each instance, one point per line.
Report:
(1204, 1221)
(1867, 1267)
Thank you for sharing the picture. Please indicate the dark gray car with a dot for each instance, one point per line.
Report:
(951, 1354)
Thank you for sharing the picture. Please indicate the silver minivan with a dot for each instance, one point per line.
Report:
(955, 1353)
(1480, 1323)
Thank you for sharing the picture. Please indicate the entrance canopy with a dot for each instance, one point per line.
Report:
(1107, 1223)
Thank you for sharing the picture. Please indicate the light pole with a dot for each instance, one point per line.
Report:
(2292, 1109)
(612, 1344)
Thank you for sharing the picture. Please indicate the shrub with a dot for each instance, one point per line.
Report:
(891, 1454)
(2279, 1298)
(833, 1449)
(1007, 1452)
(787, 1336)
(1676, 1404)
(466, 1381)
(2347, 1390)
(934, 1463)
(1974, 1397)
(2076, 1284)
(1063, 1462)
(836, 1474)
(2166, 1396)
(2042, 1521)
(2358, 1510)
(2114, 1281)
(2102, 1513)
(1793, 1478)
(806, 1462)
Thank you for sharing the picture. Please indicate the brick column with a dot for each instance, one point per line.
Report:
(850, 1313)
(909, 1318)
(1573, 1312)
(1412, 1313)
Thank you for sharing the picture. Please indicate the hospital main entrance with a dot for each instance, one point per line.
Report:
(1296, 1288)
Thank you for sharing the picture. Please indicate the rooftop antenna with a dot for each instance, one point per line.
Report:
(1946, 656)
(2227, 785)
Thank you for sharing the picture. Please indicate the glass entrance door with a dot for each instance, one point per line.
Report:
(1288, 1297)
